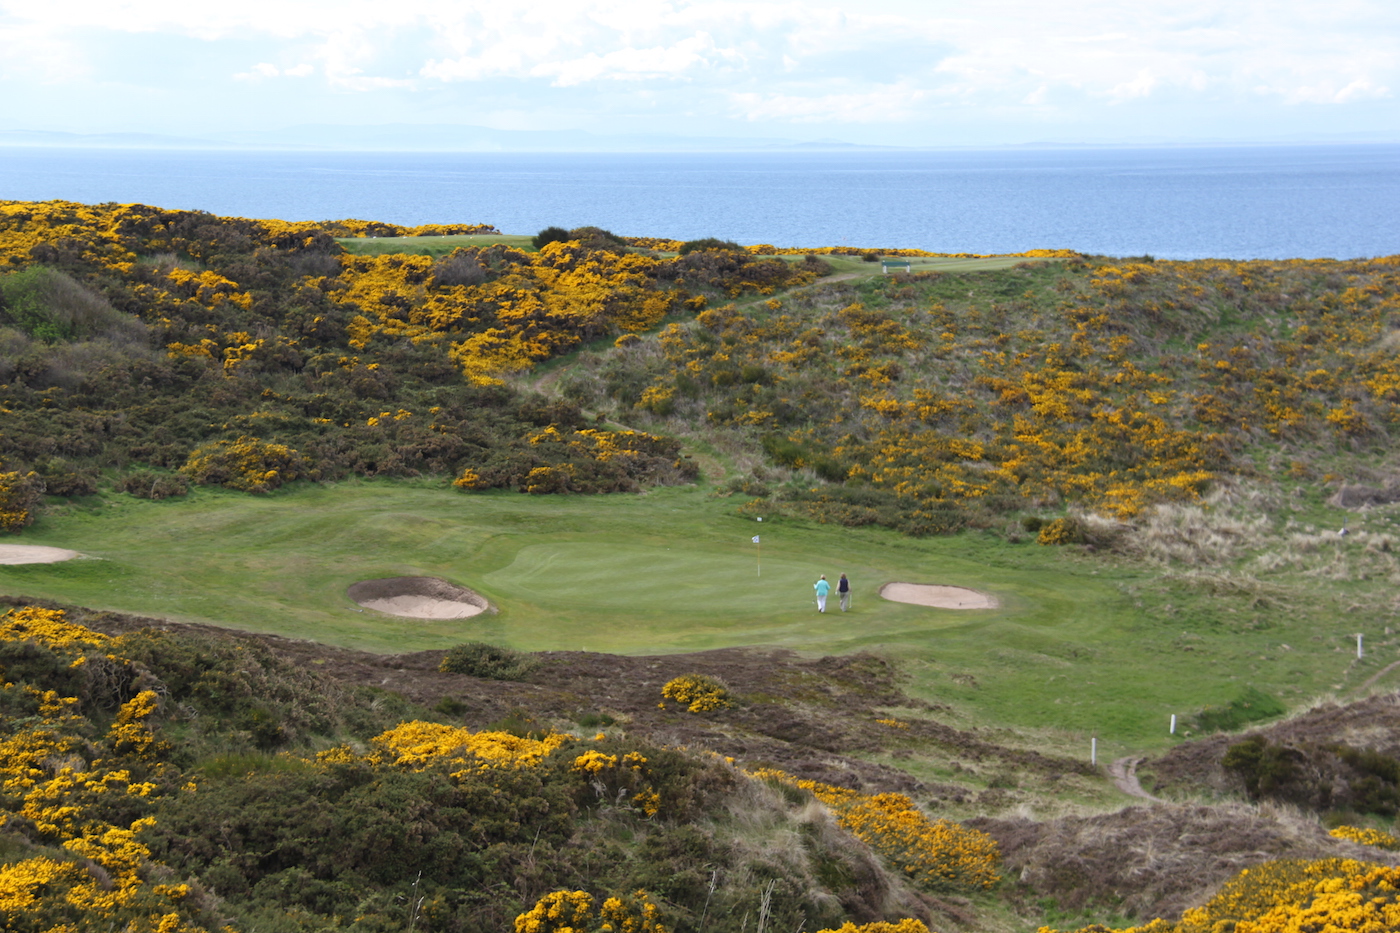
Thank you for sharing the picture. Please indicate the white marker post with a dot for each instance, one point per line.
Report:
(1093, 751)
(1173, 729)
(1359, 651)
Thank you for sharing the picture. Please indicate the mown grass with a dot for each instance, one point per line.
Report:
(429, 245)
(1080, 646)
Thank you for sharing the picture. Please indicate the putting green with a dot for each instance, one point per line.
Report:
(691, 578)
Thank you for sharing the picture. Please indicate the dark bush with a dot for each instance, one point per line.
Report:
(460, 267)
(783, 451)
(148, 484)
(709, 243)
(62, 479)
(598, 238)
(52, 306)
(489, 662)
(450, 706)
(550, 235)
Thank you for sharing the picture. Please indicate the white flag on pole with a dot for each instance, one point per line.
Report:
(755, 539)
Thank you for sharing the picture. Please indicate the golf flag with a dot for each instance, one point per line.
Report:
(755, 539)
(759, 555)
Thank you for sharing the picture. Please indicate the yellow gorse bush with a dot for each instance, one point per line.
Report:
(248, 463)
(130, 732)
(1367, 837)
(48, 780)
(48, 627)
(19, 493)
(574, 912)
(417, 744)
(617, 781)
(697, 692)
(537, 305)
(936, 854)
(1294, 896)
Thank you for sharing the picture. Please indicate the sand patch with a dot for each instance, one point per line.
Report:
(418, 598)
(34, 554)
(940, 597)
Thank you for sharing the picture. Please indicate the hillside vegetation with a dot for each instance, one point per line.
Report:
(251, 353)
(1150, 460)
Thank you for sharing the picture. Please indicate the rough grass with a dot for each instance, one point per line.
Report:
(1146, 862)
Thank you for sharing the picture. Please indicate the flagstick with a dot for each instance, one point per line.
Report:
(758, 549)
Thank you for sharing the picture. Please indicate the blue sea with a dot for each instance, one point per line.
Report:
(1180, 203)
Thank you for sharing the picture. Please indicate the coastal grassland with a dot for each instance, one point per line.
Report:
(429, 245)
(1081, 645)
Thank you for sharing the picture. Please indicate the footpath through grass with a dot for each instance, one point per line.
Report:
(674, 570)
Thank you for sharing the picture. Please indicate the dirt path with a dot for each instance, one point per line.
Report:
(1377, 676)
(1124, 774)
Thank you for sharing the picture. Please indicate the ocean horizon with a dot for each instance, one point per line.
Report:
(1228, 202)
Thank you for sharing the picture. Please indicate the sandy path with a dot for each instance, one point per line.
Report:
(937, 596)
(1124, 774)
(34, 554)
(1377, 676)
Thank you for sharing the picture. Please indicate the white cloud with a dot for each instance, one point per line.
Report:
(1142, 84)
(691, 53)
(882, 105)
(901, 61)
(33, 52)
(259, 71)
(1328, 92)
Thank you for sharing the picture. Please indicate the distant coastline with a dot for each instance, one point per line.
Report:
(461, 139)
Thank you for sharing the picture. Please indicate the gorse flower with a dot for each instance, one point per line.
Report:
(699, 693)
(1294, 896)
(937, 854)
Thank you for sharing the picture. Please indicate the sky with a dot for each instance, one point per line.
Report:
(896, 72)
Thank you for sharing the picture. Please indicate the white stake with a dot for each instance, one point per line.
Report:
(1093, 751)
(1173, 723)
(1358, 646)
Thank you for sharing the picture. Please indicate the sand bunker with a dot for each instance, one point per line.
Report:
(33, 554)
(940, 597)
(418, 598)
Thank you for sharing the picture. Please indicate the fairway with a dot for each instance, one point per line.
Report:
(430, 245)
(671, 570)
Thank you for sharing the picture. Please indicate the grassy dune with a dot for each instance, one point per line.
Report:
(1074, 649)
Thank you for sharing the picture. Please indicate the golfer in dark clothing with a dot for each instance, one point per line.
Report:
(843, 589)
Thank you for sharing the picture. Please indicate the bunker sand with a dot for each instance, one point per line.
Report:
(34, 554)
(418, 598)
(937, 596)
